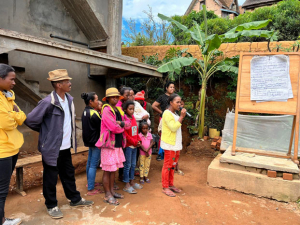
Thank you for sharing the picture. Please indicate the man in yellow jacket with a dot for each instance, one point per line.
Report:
(10, 138)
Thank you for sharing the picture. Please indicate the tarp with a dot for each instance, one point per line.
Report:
(259, 132)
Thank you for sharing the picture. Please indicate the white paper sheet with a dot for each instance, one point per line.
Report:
(270, 79)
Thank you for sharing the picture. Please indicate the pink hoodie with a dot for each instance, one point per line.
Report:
(109, 128)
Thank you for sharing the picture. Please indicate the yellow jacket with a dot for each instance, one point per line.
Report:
(169, 128)
(10, 138)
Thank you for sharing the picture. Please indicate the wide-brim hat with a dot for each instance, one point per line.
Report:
(59, 74)
(110, 92)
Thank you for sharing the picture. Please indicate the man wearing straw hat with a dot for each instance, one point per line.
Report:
(54, 119)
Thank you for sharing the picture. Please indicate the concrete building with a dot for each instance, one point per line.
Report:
(222, 8)
(82, 36)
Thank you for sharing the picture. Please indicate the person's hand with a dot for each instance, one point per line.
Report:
(118, 122)
(145, 117)
(183, 113)
(147, 154)
(16, 109)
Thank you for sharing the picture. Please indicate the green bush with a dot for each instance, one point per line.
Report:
(285, 18)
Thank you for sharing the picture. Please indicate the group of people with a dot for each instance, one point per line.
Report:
(116, 130)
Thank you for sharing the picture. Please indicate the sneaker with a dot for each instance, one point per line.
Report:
(81, 203)
(55, 213)
(16, 221)
(158, 158)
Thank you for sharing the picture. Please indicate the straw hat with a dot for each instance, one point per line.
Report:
(110, 92)
(57, 75)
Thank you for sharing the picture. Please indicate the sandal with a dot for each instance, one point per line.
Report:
(147, 180)
(96, 184)
(116, 187)
(174, 189)
(118, 195)
(168, 192)
(142, 181)
(112, 201)
(137, 186)
(94, 192)
(130, 190)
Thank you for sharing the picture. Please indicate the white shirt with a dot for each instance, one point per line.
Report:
(67, 129)
(178, 143)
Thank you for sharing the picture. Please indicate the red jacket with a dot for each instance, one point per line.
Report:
(132, 136)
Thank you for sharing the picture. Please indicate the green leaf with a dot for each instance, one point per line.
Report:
(197, 34)
(212, 42)
(176, 64)
(251, 26)
(228, 68)
(179, 25)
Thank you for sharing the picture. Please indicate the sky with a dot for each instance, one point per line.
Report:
(134, 9)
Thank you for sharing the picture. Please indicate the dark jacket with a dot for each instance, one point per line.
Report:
(47, 118)
(91, 123)
(150, 111)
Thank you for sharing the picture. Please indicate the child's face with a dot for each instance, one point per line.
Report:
(100, 104)
(130, 110)
(144, 129)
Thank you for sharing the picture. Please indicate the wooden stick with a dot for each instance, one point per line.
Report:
(292, 136)
(263, 153)
(237, 106)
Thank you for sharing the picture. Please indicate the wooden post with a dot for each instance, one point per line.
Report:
(19, 181)
(236, 108)
(292, 136)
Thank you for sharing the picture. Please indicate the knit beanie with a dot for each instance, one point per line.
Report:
(140, 96)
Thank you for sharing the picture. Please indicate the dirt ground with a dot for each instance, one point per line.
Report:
(197, 204)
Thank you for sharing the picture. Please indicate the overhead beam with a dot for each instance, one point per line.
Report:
(86, 19)
(35, 45)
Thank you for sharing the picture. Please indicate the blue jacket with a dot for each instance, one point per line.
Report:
(47, 118)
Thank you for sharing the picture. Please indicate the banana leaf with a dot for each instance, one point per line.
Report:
(175, 65)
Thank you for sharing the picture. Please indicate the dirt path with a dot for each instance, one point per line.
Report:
(197, 204)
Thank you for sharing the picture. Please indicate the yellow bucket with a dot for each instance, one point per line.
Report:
(213, 133)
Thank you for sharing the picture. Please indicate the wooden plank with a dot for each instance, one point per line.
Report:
(292, 136)
(35, 159)
(245, 104)
(263, 153)
(237, 105)
(295, 158)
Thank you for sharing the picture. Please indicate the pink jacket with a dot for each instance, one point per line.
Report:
(109, 128)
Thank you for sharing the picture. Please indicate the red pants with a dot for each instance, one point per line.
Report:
(170, 161)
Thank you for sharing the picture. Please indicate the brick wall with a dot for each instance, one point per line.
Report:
(230, 49)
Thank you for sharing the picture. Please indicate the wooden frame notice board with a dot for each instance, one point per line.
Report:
(291, 107)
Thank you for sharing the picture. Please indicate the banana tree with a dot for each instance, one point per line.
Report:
(208, 46)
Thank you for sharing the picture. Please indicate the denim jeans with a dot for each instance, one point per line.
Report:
(129, 165)
(91, 166)
(7, 166)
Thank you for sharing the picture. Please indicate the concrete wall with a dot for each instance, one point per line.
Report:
(229, 49)
(41, 18)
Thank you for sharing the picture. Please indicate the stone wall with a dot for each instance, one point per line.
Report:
(229, 49)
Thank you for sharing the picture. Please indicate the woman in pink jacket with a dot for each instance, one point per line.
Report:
(112, 140)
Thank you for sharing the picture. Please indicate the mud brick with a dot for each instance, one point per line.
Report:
(272, 173)
(219, 141)
(213, 145)
(205, 138)
(287, 176)
(216, 139)
(218, 144)
(218, 147)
